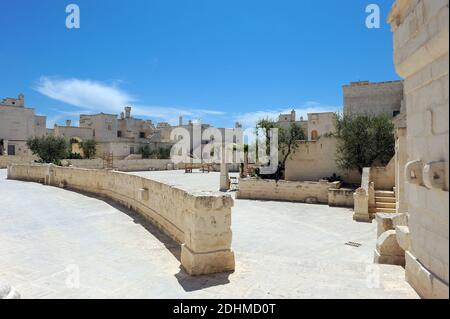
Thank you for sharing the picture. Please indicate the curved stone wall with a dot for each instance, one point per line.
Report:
(201, 222)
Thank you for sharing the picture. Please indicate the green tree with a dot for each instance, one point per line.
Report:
(289, 141)
(364, 141)
(49, 148)
(288, 138)
(89, 148)
(266, 124)
(145, 151)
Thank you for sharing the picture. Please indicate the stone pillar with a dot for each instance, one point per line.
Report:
(224, 176)
(361, 209)
(207, 246)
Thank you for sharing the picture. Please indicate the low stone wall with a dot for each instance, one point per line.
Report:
(132, 165)
(310, 192)
(342, 197)
(201, 222)
(383, 177)
(5, 160)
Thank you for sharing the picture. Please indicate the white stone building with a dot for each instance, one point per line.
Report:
(17, 124)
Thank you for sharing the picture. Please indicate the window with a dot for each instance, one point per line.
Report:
(395, 113)
(132, 150)
(141, 134)
(119, 133)
(11, 149)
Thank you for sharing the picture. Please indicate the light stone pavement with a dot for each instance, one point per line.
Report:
(48, 236)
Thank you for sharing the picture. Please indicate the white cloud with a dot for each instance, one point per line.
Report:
(92, 95)
(249, 119)
(95, 96)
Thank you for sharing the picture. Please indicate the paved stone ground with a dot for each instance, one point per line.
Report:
(283, 250)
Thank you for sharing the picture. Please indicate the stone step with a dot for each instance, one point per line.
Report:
(385, 205)
(386, 210)
(382, 199)
(384, 194)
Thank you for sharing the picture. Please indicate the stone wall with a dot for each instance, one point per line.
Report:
(421, 56)
(383, 177)
(373, 98)
(201, 222)
(315, 160)
(6, 160)
(310, 192)
(124, 165)
(342, 197)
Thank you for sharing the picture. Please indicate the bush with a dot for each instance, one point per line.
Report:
(50, 149)
(74, 156)
(333, 178)
(159, 153)
(364, 141)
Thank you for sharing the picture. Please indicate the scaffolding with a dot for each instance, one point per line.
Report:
(108, 160)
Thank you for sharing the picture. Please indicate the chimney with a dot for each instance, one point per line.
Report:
(68, 122)
(180, 121)
(127, 112)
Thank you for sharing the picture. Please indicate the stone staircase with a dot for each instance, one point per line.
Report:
(385, 201)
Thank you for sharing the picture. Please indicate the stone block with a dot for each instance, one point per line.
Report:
(388, 251)
(423, 281)
(386, 221)
(403, 237)
(206, 263)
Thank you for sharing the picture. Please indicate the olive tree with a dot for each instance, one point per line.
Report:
(50, 149)
(364, 141)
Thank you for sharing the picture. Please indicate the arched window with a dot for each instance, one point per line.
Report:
(314, 135)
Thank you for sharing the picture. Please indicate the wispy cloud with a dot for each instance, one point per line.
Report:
(95, 96)
(249, 119)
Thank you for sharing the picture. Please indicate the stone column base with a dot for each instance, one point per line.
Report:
(388, 259)
(206, 263)
(362, 218)
(423, 281)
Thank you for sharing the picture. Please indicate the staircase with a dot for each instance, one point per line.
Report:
(385, 202)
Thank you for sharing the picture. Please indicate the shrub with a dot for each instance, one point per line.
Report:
(50, 149)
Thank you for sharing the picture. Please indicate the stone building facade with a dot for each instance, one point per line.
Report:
(17, 124)
(421, 56)
(373, 98)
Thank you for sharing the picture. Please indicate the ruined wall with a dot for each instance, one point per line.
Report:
(421, 47)
(315, 160)
(201, 222)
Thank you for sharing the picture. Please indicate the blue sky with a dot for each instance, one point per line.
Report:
(214, 60)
